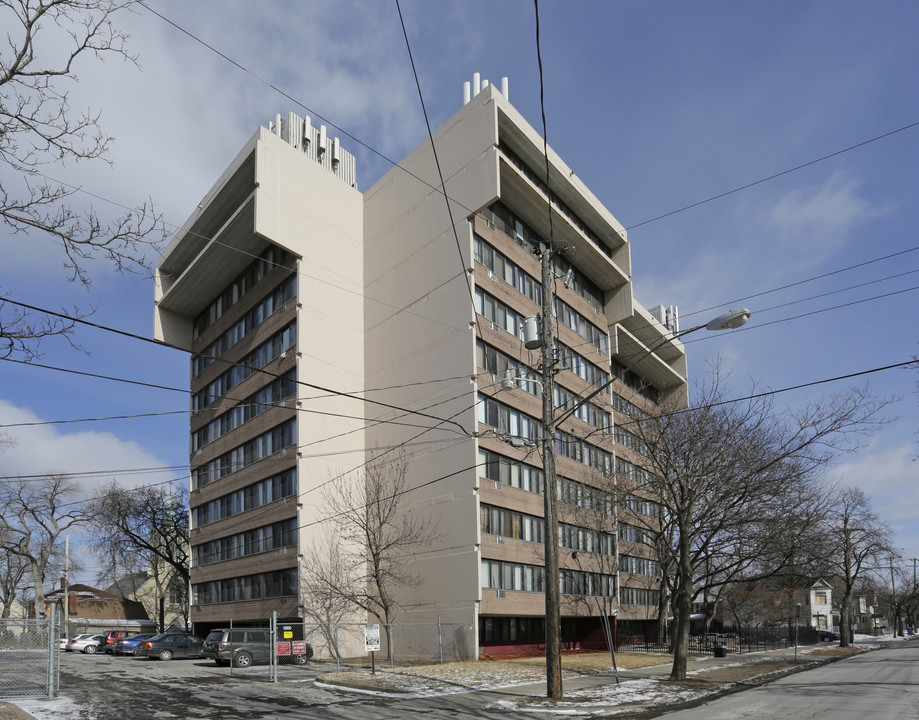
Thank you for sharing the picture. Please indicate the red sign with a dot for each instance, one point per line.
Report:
(299, 647)
(283, 648)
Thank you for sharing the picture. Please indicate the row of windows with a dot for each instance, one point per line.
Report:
(626, 439)
(254, 405)
(280, 583)
(282, 485)
(584, 496)
(508, 319)
(512, 473)
(631, 471)
(246, 324)
(627, 408)
(596, 336)
(639, 566)
(571, 446)
(507, 419)
(582, 539)
(511, 524)
(581, 366)
(500, 314)
(634, 381)
(261, 356)
(588, 412)
(498, 363)
(248, 279)
(508, 271)
(633, 534)
(642, 506)
(534, 178)
(258, 540)
(638, 596)
(501, 575)
(258, 448)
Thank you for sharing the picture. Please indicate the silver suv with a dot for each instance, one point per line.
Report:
(244, 646)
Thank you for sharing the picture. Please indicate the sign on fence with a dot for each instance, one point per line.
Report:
(371, 637)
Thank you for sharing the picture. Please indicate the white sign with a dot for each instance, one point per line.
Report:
(371, 637)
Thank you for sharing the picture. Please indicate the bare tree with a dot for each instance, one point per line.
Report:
(145, 529)
(731, 478)
(13, 569)
(858, 540)
(34, 514)
(322, 563)
(39, 130)
(378, 534)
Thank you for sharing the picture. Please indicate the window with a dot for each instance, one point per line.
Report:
(282, 485)
(273, 441)
(261, 356)
(272, 257)
(281, 583)
(254, 405)
(510, 472)
(251, 320)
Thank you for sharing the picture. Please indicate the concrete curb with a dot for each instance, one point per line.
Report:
(8, 711)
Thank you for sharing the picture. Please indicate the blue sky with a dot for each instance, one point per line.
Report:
(655, 105)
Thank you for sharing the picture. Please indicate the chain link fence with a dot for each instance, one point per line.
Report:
(290, 648)
(29, 657)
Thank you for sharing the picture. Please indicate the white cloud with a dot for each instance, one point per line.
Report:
(44, 449)
(888, 476)
(821, 218)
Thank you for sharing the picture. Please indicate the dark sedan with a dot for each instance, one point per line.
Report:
(171, 645)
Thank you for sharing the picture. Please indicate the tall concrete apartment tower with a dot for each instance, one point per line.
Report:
(303, 288)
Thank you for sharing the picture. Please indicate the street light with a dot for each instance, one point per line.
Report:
(726, 321)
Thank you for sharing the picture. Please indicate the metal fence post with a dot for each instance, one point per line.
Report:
(273, 637)
(440, 640)
(337, 648)
(51, 622)
(392, 644)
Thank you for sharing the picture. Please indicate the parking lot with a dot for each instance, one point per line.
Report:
(104, 687)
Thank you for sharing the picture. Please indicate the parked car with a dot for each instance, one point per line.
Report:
(245, 646)
(828, 636)
(127, 646)
(112, 637)
(167, 646)
(85, 643)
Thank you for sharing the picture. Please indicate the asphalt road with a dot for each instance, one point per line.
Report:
(115, 688)
(880, 685)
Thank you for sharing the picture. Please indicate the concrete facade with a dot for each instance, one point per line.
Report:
(420, 310)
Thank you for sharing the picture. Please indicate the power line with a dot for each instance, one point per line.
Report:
(216, 359)
(804, 281)
(719, 196)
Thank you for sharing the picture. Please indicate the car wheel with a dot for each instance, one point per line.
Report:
(90, 649)
(300, 659)
(165, 655)
(243, 660)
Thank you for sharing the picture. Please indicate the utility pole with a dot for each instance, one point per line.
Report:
(553, 604)
(896, 609)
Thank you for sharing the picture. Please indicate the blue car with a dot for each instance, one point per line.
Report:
(129, 645)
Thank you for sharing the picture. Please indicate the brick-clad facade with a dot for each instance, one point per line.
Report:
(389, 307)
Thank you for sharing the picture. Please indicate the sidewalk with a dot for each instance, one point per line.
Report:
(588, 680)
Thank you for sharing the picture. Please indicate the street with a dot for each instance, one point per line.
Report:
(877, 684)
(880, 684)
